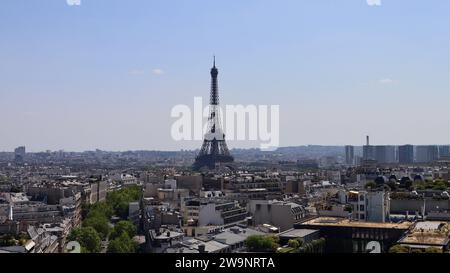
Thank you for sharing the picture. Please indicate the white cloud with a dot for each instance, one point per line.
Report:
(373, 2)
(157, 71)
(386, 81)
(73, 2)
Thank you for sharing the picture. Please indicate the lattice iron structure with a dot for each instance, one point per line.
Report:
(214, 150)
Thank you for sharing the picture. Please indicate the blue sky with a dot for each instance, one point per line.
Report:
(106, 74)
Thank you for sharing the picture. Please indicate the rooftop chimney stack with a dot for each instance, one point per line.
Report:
(202, 248)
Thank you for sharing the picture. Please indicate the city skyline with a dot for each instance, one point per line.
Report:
(248, 148)
(223, 135)
(105, 74)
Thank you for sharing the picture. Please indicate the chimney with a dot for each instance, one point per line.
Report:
(367, 141)
(201, 248)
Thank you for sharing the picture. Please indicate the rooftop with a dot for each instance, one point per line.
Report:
(234, 235)
(428, 233)
(344, 222)
(424, 238)
(298, 233)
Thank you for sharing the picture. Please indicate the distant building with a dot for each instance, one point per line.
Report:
(427, 154)
(193, 183)
(427, 234)
(40, 241)
(368, 151)
(19, 154)
(235, 237)
(346, 236)
(128, 180)
(370, 206)
(98, 189)
(155, 215)
(385, 154)
(280, 214)
(349, 155)
(295, 186)
(406, 154)
(212, 211)
(306, 164)
(306, 235)
(159, 240)
(221, 240)
(444, 151)
(254, 186)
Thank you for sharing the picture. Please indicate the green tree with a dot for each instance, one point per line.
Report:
(370, 185)
(293, 243)
(408, 184)
(432, 250)
(392, 185)
(7, 240)
(316, 246)
(100, 208)
(398, 249)
(122, 244)
(123, 227)
(88, 238)
(100, 223)
(120, 199)
(262, 243)
(441, 186)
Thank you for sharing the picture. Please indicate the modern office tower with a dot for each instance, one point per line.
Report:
(444, 151)
(214, 149)
(406, 154)
(380, 153)
(19, 154)
(349, 155)
(427, 153)
(391, 154)
(368, 151)
(385, 154)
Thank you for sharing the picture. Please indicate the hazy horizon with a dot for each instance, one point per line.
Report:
(107, 73)
(195, 149)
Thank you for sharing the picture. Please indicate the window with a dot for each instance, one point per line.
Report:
(362, 217)
(361, 207)
(361, 198)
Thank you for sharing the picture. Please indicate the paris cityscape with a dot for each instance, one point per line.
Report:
(94, 161)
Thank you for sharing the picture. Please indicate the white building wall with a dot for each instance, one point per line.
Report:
(377, 207)
(208, 215)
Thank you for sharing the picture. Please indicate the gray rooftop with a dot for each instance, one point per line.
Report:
(234, 235)
(298, 233)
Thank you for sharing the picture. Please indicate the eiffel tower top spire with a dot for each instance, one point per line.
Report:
(214, 96)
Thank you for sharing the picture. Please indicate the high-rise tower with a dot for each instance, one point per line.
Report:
(214, 149)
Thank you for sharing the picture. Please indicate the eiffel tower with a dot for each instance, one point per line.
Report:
(214, 150)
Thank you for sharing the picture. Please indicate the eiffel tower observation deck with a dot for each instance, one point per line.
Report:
(214, 151)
